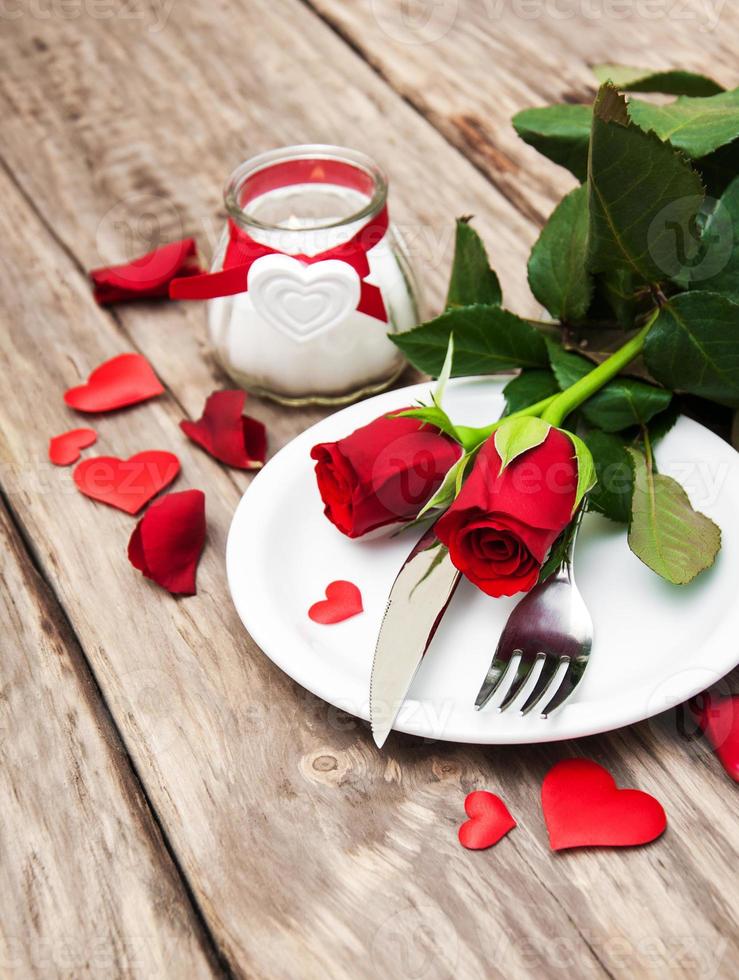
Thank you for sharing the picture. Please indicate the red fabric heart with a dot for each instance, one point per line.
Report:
(584, 808)
(167, 542)
(228, 435)
(148, 276)
(343, 600)
(127, 484)
(123, 380)
(65, 448)
(489, 820)
(719, 719)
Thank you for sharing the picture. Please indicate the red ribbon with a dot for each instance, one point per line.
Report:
(242, 251)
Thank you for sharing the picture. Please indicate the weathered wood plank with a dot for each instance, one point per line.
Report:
(468, 67)
(309, 852)
(87, 888)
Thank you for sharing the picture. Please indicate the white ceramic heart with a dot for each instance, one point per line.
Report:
(302, 301)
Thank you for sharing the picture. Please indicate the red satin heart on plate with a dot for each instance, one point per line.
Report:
(343, 600)
(65, 449)
(583, 807)
(123, 380)
(489, 820)
(719, 719)
(128, 484)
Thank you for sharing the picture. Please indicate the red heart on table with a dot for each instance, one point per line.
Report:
(583, 807)
(127, 484)
(65, 448)
(489, 820)
(719, 719)
(343, 600)
(123, 380)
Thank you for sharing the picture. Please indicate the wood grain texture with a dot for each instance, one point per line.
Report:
(470, 66)
(87, 887)
(309, 852)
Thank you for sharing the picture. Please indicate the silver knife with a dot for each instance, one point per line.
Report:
(418, 599)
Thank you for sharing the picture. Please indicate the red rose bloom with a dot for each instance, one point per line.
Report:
(502, 525)
(383, 473)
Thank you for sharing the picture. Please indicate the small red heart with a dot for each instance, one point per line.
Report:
(584, 808)
(65, 448)
(719, 719)
(489, 820)
(123, 380)
(127, 484)
(343, 600)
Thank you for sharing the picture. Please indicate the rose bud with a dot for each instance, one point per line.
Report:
(382, 473)
(501, 526)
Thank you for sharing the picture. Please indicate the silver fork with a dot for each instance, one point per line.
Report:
(550, 626)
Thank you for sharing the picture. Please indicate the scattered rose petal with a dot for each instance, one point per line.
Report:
(148, 276)
(343, 600)
(584, 808)
(65, 448)
(719, 719)
(167, 542)
(123, 380)
(226, 434)
(490, 820)
(127, 484)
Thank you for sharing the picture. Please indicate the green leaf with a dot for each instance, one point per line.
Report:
(472, 279)
(517, 436)
(665, 532)
(487, 340)
(694, 346)
(649, 80)
(528, 388)
(556, 556)
(639, 190)
(617, 288)
(719, 168)
(611, 496)
(622, 403)
(560, 132)
(717, 268)
(557, 273)
(586, 473)
(695, 126)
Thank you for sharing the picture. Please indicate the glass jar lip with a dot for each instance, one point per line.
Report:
(305, 151)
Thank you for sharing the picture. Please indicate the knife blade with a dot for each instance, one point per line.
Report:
(418, 599)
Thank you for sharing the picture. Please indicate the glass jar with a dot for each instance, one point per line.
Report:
(317, 278)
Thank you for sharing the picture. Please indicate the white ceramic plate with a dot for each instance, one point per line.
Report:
(655, 644)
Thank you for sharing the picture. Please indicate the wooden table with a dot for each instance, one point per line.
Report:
(173, 805)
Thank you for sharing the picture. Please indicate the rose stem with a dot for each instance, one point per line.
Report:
(568, 400)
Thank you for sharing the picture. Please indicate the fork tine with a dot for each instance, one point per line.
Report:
(496, 673)
(525, 665)
(570, 680)
(543, 683)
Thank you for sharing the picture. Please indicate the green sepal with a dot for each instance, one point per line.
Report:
(517, 435)
(433, 415)
(586, 476)
(450, 487)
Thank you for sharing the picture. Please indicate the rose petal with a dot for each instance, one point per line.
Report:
(226, 434)
(148, 276)
(123, 380)
(167, 542)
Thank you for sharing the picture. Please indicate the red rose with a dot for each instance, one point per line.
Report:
(502, 525)
(383, 473)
